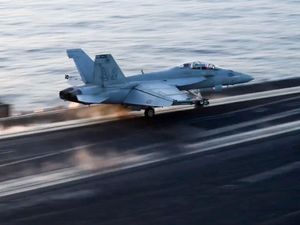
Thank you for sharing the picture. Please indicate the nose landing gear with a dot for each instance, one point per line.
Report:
(198, 100)
(202, 102)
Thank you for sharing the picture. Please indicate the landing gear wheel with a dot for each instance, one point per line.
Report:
(201, 103)
(205, 101)
(198, 104)
(149, 112)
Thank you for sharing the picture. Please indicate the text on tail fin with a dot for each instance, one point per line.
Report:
(107, 72)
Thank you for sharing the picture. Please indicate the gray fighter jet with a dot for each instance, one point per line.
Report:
(105, 83)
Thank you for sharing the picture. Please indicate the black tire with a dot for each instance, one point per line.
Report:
(149, 112)
(199, 104)
(205, 102)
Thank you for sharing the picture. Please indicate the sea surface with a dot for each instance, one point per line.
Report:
(258, 37)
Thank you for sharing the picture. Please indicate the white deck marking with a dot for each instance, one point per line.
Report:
(46, 155)
(229, 128)
(257, 95)
(271, 173)
(80, 147)
(245, 137)
(6, 152)
(44, 128)
(73, 174)
(37, 181)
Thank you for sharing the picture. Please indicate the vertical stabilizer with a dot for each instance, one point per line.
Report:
(84, 64)
(107, 72)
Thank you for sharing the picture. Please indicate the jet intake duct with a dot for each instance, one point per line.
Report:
(218, 87)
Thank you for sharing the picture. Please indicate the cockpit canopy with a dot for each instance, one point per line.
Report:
(199, 66)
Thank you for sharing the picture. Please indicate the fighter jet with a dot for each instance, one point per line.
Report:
(105, 83)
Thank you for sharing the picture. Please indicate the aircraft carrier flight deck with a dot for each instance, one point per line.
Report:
(236, 161)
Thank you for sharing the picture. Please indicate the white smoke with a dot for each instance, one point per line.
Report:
(14, 129)
(102, 111)
(86, 160)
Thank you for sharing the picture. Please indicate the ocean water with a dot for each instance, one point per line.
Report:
(258, 37)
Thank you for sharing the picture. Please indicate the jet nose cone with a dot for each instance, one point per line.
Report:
(238, 78)
(244, 78)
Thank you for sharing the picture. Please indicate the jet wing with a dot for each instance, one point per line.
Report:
(156, 94)
(91, 99)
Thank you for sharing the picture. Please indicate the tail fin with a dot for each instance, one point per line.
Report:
(84, 64)
(107, 72)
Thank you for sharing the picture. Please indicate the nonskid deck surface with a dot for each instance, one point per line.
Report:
(236, 162)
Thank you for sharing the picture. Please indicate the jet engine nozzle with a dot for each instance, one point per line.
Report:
(69, 94)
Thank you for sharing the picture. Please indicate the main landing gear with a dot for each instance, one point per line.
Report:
(149, 112)
(202, 102)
